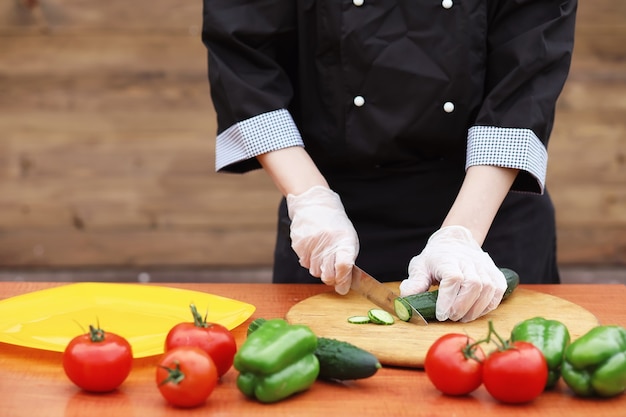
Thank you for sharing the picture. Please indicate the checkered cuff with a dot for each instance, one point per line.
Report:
(510, 148)
(255, 136)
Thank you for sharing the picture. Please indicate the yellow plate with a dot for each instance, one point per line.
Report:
(143, 314)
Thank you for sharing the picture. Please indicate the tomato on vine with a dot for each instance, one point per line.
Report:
(216, 340)
(516, 372)
(453, 364)
(98, 361)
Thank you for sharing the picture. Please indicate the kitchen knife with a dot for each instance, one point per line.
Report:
(379, 294)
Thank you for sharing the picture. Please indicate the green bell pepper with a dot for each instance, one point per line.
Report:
(549, 336)
(595, 363)
(276, 361)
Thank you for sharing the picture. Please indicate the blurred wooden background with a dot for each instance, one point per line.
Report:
(107, 146)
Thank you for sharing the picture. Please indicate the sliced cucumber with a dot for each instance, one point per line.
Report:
(379, 316)
(403, 309)
(359, 319)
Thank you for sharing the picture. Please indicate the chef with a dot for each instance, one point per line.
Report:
(409, 137)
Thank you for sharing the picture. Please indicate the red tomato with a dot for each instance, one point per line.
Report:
(186, 376)
(452, 366)
(516, 374)
(98, 361)
(213, 338)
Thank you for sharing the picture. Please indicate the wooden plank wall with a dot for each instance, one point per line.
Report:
(587, 165)
(106, 143)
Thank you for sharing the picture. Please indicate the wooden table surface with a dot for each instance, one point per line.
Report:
(32, 382)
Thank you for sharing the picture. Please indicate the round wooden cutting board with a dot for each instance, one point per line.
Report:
(405, 344)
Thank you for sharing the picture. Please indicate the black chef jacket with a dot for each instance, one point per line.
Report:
(383, 94)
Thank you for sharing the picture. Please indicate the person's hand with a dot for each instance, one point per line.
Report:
(470, 284)
(323, 237)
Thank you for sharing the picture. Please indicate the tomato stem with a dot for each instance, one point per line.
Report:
(96, 334)
(503, 344)
(500, 343)
(469, 351)
(174, 375)
(198, 320)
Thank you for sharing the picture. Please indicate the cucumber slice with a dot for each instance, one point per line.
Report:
(403, 309)
(359, 319)
(379, 316)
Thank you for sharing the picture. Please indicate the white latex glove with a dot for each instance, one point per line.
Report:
(470, 284)
(323, 237)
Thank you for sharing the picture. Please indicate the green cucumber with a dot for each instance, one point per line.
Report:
(338, 360)
(341, 360)
(256, 323)
(512, 281)
(426, 302)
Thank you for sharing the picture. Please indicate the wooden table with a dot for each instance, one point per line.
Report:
(32, 382)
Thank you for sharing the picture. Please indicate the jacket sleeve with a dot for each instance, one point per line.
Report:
(251, 50)
(529, 51)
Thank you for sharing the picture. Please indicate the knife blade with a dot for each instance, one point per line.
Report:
(372, 289)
